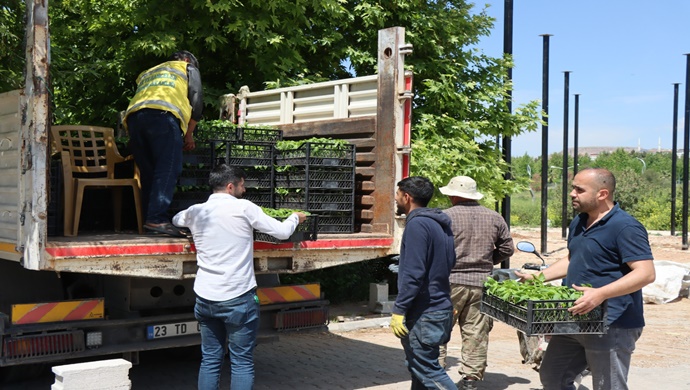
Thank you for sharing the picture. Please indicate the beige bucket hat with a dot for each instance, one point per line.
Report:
(462, 186)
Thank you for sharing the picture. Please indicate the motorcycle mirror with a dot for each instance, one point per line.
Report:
(526, 246)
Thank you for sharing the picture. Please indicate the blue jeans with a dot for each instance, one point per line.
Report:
(156, 143)
(427, 333)
(237, 321)
(607, 356)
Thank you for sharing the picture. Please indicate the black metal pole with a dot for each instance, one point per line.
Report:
(674, 158)
(686, 146)
(564, 179)
(544, 140)
(575, 138)
(507, 144)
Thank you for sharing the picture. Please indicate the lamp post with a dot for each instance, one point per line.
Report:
(507, 145)
(544, 138)
(674, 158)
(564, 213)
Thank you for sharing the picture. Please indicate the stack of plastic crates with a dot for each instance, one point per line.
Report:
(256, 160)
(250, 149)
(318, 178)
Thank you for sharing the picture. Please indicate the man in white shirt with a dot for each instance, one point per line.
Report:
(225, 285)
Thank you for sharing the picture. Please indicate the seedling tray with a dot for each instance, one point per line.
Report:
(545, 317)
(242, 154)
(235, 133)
(317, 202)
(317, 154)
(306, 231)
(318, 179)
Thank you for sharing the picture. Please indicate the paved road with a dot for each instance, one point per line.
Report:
(362, 359)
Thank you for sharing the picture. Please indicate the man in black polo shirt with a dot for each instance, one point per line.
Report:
(608, 249)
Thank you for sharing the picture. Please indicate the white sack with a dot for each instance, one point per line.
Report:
(668, 283)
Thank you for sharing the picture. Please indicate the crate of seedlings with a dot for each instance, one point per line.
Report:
(317, 179)
(305, 231)
(226, 130)
(534, 307)
(242, 154)
(315, 152)
(260, 197)
(317, 201)
(337, 223)
(259, 178)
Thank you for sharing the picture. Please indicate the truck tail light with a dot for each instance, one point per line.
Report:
(49, 344)
(295, 319)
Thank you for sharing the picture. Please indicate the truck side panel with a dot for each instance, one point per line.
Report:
(9, 173)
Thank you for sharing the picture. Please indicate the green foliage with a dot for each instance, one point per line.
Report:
(348, 282)
(11, 48)
(535, 289)
(329, 143)
(646, 195)
(99, 47)
(525, 209)
(281, 213)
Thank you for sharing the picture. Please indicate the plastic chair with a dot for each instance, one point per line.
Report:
(89, 155)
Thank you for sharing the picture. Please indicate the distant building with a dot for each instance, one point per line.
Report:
(595, 151)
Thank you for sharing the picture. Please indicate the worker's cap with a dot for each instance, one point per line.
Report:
(462, 186)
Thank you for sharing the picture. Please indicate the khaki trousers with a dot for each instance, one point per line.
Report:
(474, 330)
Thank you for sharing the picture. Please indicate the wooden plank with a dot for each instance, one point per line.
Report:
(366, 228)
(365, 186)
(335, 128)
(365, 171)
(364, 214)
(366, 157)
(367, 200)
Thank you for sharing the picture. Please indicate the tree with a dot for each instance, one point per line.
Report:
(11, 50)
(100, 46)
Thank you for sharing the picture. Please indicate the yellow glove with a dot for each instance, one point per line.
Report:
(398, 326)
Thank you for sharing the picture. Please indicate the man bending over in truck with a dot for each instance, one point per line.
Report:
(161, 119)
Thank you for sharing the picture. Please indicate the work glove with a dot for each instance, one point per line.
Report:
(398, 326)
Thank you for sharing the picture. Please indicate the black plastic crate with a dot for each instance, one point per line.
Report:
(183, 200)
(306, 231)
(199, 158)
(259, 135)
(317, 154)
(190, 177)
(321, 178)
(317, 201)
(545, 317)
(260, 197)
(242, 154)
(259, 178)
(336, 223)
(235, 133)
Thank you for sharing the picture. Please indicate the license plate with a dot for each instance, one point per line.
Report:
(172, 330)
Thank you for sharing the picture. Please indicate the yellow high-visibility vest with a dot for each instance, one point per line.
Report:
(164, 87)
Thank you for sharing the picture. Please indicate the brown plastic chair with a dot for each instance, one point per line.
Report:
(89, 155)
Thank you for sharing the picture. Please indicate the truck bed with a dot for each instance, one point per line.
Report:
(174, 258)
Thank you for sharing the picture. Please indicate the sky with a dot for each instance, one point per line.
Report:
(624, 55)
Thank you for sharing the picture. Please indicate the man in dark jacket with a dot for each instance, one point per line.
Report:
(427, 255)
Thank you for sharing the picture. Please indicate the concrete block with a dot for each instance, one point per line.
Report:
(378, 292)
(98, 375)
